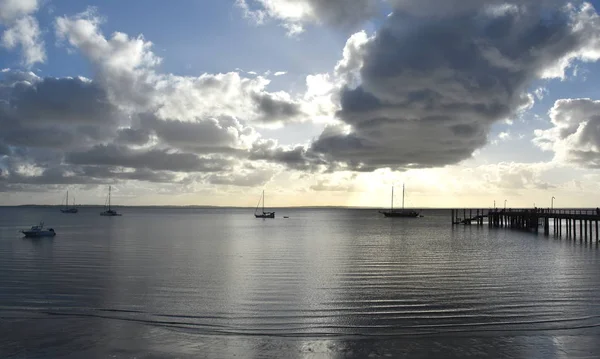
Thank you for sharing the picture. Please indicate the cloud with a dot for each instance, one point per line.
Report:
(295, 13)
(243, 178)
(131, 136)
(575, 135)
(515, 176)
(211, 135)
(25, 33)
(126, 68)
(276, 107)
(54, 113)
(435, 8)
(130, 120)
(22, 30)
(336, 184)
(11, 10)
(123, 64)
(4, 150)
(65, 131)
(429, 90)
(153, 159)
(295, 157)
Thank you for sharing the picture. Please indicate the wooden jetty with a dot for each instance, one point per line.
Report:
(572, 223)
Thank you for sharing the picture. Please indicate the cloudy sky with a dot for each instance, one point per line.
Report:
(319, 102)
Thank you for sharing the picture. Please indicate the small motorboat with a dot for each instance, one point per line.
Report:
(39, 231)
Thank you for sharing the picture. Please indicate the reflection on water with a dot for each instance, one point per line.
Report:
(324, 283)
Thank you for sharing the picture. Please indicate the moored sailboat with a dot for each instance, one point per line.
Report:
(67, 209)
(107, 210)
(263, 214)
(407, 213)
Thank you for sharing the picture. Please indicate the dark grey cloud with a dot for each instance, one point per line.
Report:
(54, 113)
(44, 137)
(297, 158)
(153, 159)
(57, 177)
(4, 150)
(211, 135)
(431, 89)
(272, 109)
(111, 173)
(436, 8)
(132, 136)
(66, 131)
(50, 176)
(345, 13)
(70, 101)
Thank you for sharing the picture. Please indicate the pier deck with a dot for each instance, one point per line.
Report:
(582, 223)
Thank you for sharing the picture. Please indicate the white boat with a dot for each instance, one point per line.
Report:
(68, 209)
(107, 210)
(263, 214)
(39, 231)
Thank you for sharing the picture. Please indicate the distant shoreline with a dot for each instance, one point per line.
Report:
(184, 207)
(270, 207)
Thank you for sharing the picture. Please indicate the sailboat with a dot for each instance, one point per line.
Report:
(263, 214)
(400, 212)
(107, 210)
(67, 209)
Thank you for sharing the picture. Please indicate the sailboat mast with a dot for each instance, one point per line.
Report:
(403, 196)
(109, 198)
(67, 202)
(263, 201)
(392, 204)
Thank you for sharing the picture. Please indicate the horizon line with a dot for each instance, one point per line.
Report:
(276, 207)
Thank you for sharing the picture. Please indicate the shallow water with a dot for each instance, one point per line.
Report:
(162, 283)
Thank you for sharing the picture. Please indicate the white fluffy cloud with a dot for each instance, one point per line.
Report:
(22, 30)
(126, 68)
(25, 33)
(575, 133)
(132, 122)
(11, 10)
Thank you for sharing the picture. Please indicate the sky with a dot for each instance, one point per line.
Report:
(318, 102)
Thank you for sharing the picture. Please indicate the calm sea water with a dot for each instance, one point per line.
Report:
(218, 283)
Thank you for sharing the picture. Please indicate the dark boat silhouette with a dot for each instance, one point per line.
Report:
(406, 213)
(108, 212)
(67, 209)
(263, 214)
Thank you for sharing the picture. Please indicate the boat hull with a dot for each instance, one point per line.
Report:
(70, 210)
(265, 215)
(38, 234)
(110, 213)
(405, 214)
